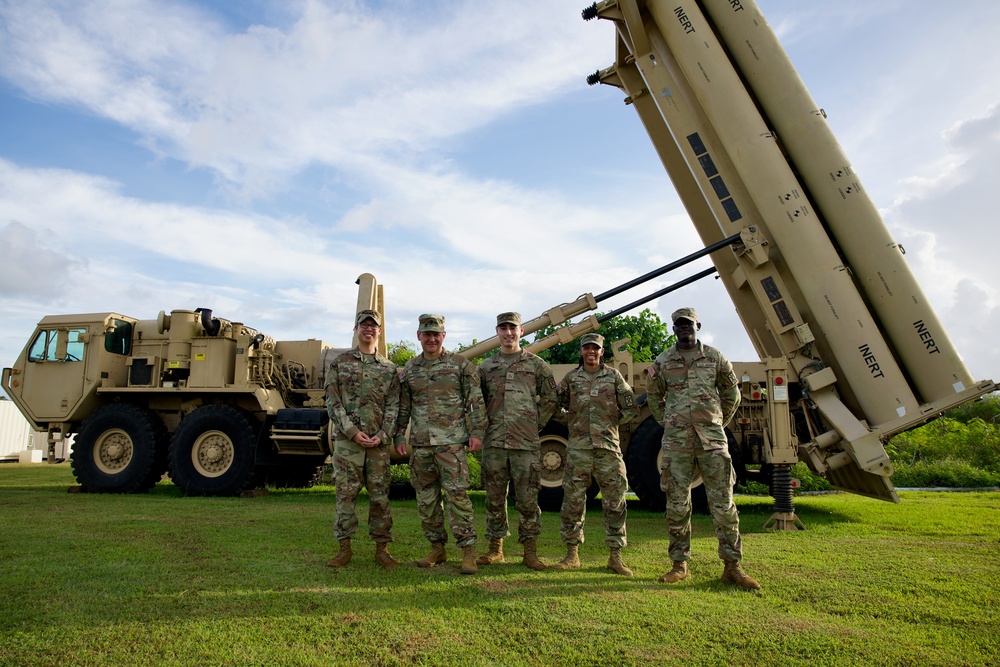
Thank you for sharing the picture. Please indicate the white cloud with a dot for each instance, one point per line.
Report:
(945, 221)
(340, 80)
(444, 243)
(31, 269)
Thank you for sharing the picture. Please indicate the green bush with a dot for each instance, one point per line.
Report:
(950, 473)
(800, 471)
(752, 488)
(400, 472)
(475, 472)
(976, 442)
(987, 409)
(808, 480)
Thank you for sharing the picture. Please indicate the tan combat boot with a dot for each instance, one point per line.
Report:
(343, 557)
(383, 557)
(615, 563)
(494, 555)
(734, 574)
(572, 559)
(679, 571)
(437, 555)
(531, 558)
(469, 560)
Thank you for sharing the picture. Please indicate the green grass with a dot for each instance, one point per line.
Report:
(159, 579)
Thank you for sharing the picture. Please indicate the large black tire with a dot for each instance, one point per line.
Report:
(554, 439)
(212, 451)
(120, 448)
(401, 491)
(642, 462)
(642, 467)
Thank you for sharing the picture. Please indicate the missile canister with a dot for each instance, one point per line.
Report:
(671, 115)
(771, 308)
(836, 306)
(909, 321)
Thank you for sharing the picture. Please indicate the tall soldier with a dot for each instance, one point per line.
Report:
(520, 396)
(595, 399)
(441, 401)
(362, 398)
(694, 393)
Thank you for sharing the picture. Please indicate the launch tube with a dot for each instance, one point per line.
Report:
(628, 78)
(718, 203)
(910, 323)
(870, 369)
(716, 199)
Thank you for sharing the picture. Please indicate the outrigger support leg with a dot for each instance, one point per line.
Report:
(784, 510)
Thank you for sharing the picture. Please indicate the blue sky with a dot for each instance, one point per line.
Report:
(256, 157)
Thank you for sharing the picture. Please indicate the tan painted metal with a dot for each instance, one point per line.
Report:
(801, 304)
(917, 335)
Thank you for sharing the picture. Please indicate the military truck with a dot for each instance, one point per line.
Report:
(220, 405)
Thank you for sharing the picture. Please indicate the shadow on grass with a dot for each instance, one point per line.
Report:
(755, 511)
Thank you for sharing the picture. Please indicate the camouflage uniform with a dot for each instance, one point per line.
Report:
(520, 398)
(593, 408)
(362, 395)
(694, 402)
(441, 401)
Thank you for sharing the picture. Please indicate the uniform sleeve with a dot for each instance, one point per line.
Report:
(626, 400)
(335, 404)
(656, 391)
(729, 389)
(561, 413)
(546, 389)
(484, 387)
(475, 407)
(405, 405)
(391, 415)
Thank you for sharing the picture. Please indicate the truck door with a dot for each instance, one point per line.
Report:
(54, 372)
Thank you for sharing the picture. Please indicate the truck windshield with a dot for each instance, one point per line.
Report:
(46, 346)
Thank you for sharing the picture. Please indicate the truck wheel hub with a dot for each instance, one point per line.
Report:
(212, 454)
(552, 461)
(112, 451)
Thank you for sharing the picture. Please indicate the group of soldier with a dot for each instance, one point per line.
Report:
(443, 406)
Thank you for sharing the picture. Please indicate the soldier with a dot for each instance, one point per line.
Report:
(520, 396)
(362, 398)
(441, 401)
(694, 393)
(594, 399)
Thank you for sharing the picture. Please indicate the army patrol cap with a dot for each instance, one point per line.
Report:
(685, 314)
(431, 322)
(592, 339)
(369, 315)
(509, 318)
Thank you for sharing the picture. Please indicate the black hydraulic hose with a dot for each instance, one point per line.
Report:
(655, 295)
(667, 268)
